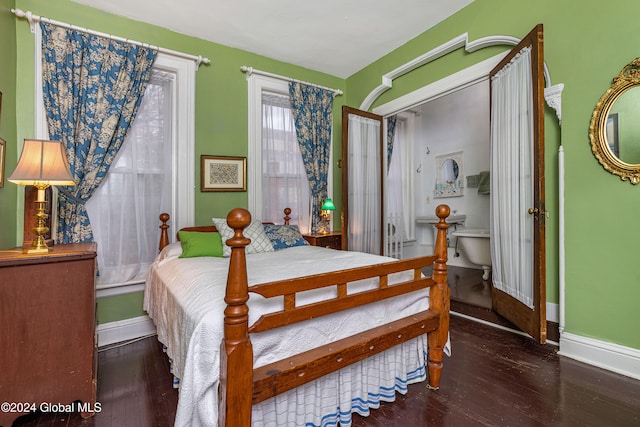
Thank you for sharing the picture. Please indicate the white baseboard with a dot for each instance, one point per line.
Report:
(612, 357)
(124, 330)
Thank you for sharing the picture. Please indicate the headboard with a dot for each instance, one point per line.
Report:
(164, 226)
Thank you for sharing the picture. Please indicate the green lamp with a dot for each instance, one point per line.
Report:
(325, 212)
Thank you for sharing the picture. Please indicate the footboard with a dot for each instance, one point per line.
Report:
(241, 386)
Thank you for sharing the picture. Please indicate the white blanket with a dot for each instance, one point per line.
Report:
(185, 298)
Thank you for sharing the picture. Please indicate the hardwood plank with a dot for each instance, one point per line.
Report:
(493, 378)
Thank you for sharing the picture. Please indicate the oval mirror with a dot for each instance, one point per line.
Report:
(614, 132)
(449, 171)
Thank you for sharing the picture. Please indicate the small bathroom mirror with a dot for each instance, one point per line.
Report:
(449, 177)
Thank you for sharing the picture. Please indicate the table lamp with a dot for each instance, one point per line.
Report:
(325, 212)
(42, 164)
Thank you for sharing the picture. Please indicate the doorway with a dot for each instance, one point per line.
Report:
(457, 122)
(531, 318)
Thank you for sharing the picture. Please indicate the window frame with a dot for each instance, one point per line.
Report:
(182, 146)
(256, 85)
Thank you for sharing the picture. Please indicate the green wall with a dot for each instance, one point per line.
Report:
(8, 194)
(119, 307)
(584, 49)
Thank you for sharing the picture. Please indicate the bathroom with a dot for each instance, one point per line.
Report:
(454, 127)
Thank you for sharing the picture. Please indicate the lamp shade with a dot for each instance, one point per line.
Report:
(42, 162)
(328, 205)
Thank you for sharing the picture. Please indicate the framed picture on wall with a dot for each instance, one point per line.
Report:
(223, 173)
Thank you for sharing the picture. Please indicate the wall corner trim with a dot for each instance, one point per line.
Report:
(553, 96)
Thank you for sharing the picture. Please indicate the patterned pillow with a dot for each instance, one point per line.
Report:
(259, 240)
(284, 236)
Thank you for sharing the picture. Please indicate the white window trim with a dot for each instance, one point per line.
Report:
(258, 84)
(183, 140)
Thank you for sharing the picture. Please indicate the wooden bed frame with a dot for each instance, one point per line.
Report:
(241, 385)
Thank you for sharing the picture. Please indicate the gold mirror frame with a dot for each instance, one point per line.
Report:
(628, 78)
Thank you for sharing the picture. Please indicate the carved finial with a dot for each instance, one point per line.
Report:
(287, 218)
(238, 219)
(443, 211)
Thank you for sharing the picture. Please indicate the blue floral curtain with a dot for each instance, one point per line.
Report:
(312, 108)
(92, 89)
(391, 131)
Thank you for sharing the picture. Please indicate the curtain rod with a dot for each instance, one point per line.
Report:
(35, 18)
(251, 70)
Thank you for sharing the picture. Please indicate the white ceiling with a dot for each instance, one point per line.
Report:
(338, 37)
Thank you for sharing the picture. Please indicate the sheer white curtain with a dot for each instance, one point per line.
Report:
(400, 181)
(284, 180)
(364, 232)
(124, 210)
(512, 169)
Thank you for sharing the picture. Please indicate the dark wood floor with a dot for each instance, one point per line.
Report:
(493, 378)
(471, 296)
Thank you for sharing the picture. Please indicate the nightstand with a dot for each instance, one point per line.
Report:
(331, 240)
(47, 325)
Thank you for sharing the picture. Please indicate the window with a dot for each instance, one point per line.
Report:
(124, 210)
(279, 179)
(153, 173)
(284, 180)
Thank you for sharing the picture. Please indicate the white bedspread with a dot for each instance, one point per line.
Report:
(185, 298)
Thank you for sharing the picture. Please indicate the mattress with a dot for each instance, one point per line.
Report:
(185, 299)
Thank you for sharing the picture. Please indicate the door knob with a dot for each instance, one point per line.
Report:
(533, 211)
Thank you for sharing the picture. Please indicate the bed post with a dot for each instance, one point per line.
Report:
(287, 218)
(164, 235)
(236, 355)
(439, 300)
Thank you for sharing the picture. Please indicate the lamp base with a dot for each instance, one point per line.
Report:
(30, 218)
(44, 250)
(29, 244)
(326, 217)
(39, 245)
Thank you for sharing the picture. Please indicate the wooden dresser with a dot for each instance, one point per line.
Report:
(48, 330)
(331, 240)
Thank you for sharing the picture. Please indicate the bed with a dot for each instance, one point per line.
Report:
(301, 335)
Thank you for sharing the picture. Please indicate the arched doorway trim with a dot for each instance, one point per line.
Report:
(553, 94)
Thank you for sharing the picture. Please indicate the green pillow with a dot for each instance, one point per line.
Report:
(196, 244)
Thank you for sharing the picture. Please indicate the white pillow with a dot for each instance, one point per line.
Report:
(171, 251)
(260, 242)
